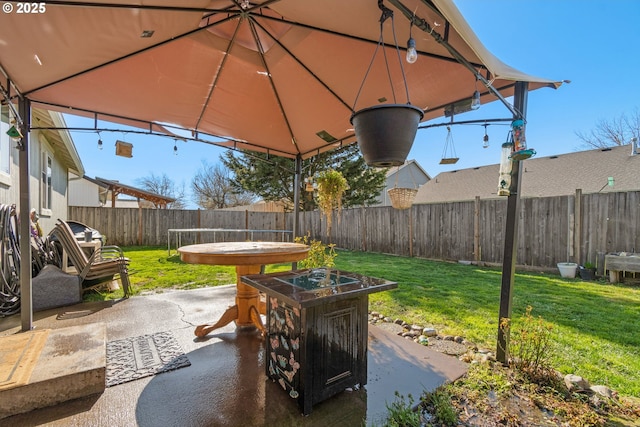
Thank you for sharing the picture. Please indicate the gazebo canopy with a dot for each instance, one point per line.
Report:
(280, 76)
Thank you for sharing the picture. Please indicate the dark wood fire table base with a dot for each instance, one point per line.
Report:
(316, 330)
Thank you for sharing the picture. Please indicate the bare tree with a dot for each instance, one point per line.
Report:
(163, 185)
(212, 188)
(613, 132)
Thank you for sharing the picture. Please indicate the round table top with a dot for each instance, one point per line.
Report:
(243, 253)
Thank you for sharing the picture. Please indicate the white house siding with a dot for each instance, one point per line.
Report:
(59, 182)
(9, 191)
(10, 183)
(83, 192)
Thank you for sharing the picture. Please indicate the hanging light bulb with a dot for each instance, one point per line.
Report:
(175, 147)
(412, 54)
(245, 4)
(99, 141)
(485, 139)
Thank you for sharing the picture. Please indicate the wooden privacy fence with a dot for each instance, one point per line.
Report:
(148, 227)
(550, 230)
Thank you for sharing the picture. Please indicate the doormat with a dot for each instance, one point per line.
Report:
(18, 356)
(138, 357)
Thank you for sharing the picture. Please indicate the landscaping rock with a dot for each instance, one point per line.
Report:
(576, 383)
(429, 332)
(423, 339)
(603, 390)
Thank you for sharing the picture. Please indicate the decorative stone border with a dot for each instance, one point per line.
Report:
(469, 352)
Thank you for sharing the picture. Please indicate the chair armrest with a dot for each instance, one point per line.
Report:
(110, 253)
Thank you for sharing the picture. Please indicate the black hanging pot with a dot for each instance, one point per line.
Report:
(386, 132)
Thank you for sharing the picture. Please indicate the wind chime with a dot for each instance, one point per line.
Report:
(514, 150)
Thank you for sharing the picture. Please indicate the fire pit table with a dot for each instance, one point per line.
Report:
(316, 330)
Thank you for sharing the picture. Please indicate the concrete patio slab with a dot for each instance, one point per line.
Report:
(70, 364)
(226, 383)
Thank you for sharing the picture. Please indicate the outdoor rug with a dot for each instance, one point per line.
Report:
(133, 358)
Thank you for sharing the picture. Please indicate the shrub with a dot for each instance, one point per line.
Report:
(401, 413)
(319, 255)
(532, 348)
(438, 403)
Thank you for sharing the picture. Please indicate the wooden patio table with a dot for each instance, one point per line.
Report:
(248, 258)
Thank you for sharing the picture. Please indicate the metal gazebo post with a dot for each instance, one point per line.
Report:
(296, 200)
(511, 235)
(26, 309)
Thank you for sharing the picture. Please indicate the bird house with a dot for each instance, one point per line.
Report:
(124, 149)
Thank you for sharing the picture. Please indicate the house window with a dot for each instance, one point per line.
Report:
(5, 145)
(46, 190)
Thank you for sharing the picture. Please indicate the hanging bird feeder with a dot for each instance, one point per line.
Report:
(449, 156)
(520, 151)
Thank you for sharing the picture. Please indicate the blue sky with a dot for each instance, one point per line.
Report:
(593, 43)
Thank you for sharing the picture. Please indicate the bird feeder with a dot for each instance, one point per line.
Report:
(449, 155)
(504, 182)
(520, 151)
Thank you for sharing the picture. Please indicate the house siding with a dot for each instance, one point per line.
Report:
(10, 186)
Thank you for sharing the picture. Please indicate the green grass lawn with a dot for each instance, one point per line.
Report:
(596, 325)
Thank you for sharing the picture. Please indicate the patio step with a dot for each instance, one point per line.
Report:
(42, 368)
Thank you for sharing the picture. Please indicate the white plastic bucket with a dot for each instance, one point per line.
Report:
(568, 269)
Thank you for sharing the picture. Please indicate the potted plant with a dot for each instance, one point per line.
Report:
(587, 271)
(386, 132)
(331, 186)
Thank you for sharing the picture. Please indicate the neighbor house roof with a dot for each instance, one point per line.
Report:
(395, 170)
(119, 188)
(542, 176)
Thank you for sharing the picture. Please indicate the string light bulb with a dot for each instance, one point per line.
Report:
(485, 139)
(99, 141)
(412, 54)
(175, 147)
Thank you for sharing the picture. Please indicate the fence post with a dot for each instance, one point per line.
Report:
(411, 231)
(577, 228)
(570, 229)
(139, 224)
(476, 229)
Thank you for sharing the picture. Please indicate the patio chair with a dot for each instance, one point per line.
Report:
(102, 266)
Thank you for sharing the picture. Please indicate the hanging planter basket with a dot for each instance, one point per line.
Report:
(386, 132)
(402, 198)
